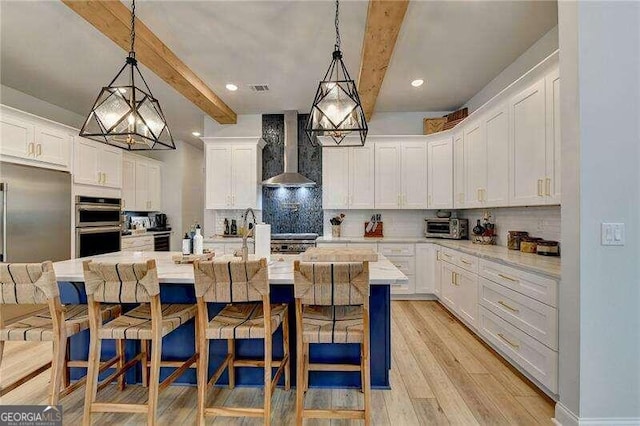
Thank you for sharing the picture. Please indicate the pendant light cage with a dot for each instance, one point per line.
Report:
(125, 113)
(337, 117)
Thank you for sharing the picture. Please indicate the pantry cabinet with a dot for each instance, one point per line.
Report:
(142, 179)
(440, 173)
(401, 174)
(347, 177)
(233, 173)
(97, 164)
(31, 140)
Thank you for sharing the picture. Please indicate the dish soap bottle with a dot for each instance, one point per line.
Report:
(198, 241)
(186, 244)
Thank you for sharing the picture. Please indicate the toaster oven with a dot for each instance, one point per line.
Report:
(450, 228)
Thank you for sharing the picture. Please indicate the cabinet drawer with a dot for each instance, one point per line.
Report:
(537, 287)
(369, 246)
(405, 288)
(137, 242)
(534, 357)
(332, 245)
(217, 248)
(538, 320)
(143, 247)
(464, 261)
(396, 249)
(406, 265)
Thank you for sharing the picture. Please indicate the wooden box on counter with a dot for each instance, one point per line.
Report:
(375, 233)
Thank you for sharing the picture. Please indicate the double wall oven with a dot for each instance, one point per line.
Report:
(98, 225)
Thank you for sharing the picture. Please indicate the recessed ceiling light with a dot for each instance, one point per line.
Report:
(417, 83)
(196, 134)
(232, 87)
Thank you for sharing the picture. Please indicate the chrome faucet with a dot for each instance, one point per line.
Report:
(247, 232)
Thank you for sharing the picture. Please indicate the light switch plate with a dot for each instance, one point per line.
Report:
(613, 234)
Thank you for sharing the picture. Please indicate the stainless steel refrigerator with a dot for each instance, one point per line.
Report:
(35, 214)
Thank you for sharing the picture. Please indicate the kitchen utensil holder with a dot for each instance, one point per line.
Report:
(336, 231)
(376, 233)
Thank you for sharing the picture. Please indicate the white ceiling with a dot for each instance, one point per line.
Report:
(457, 47)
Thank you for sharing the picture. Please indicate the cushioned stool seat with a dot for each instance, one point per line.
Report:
(136, 324)
(243, 321)
(332, 324)
(39, 327)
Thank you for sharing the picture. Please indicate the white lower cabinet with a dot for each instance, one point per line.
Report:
(220, 248)
(459, 289)
(138, 243)
(403, 257)
(425, 269)
(525, 351)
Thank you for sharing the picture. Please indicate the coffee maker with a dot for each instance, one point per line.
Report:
(160, 221)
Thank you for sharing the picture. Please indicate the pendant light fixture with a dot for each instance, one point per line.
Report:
(336, 111)
(126, 114)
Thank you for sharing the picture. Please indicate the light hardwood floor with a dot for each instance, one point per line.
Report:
(441, 374)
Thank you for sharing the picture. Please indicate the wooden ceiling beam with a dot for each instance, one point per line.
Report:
(113, 19)
(384, 20)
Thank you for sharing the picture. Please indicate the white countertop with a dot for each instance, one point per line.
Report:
(532, 262)
(280, 272)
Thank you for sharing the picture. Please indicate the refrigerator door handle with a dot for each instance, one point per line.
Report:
(3, 189)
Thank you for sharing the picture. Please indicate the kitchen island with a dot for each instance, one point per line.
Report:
(176, 286)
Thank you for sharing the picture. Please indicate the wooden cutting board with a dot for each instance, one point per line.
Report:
(328, 254)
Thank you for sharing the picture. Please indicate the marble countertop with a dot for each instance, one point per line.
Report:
(280, 268)
(535, 263)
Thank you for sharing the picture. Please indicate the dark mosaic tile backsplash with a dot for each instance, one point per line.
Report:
(277, 208)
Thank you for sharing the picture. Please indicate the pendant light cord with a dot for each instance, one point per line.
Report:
(337, 25)
(132, 52)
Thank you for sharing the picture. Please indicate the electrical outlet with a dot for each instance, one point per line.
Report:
(613, 234)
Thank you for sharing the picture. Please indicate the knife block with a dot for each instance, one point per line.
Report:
(377, 233)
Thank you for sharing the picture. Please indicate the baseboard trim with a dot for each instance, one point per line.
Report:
(422, 296)
(565, 417)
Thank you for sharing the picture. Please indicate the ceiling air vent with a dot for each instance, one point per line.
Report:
(259, 88)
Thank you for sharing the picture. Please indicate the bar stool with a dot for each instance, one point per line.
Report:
(244, 286)
(332, 306)
(35, 283)
(150, 321)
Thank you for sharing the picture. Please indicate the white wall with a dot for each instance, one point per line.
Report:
(192, 187)
(542, 48)
(247, 125)
(22, 101)
(600, 74)
(401, 123)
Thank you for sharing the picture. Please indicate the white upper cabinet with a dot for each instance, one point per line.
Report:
(528, 146)
(361, 177)
(475, 161)
(52, 146)
(142, 183)
(335, 178)
(496, 122)
(388, 178)
(414, 175)
(458, 170)
(552, 180)
(401, 174)
(233, 173)
(97, 164)
(128, 182)
(347, 177)
(30, 140)
(440, 168)
(218, 173)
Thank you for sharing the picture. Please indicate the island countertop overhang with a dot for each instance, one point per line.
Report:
(382, 272)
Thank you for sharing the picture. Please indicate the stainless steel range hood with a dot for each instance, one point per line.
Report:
(290, 178)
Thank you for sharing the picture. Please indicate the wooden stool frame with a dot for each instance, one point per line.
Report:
(60, 384)
(304, 365)
(150, 379)
(230, 362)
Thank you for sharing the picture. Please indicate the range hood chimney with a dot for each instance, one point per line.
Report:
(290, 178)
